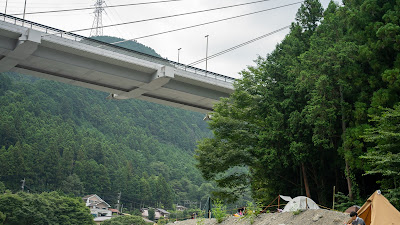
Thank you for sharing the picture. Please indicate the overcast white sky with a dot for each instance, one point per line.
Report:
(222, 35)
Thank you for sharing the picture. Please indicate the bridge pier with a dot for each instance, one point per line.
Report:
(25, 46)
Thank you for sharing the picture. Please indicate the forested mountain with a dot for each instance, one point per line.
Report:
(321, 110)
(71, 139)
(128, 44)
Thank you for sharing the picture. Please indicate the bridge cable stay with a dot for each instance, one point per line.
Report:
(194, 12)
(237, 46)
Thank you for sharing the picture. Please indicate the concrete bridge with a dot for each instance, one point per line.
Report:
(38, 50)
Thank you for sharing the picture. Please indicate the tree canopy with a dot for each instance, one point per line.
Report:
(298, 119)
(46, 208)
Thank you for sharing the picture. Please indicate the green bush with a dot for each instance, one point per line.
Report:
(252, 211)
(45, 208)
(162, 220)
(152, 214)
(125, 220)
(219, 211)
(342, 201)
(297, 212)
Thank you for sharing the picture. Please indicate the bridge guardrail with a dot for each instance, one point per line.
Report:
(111, 47)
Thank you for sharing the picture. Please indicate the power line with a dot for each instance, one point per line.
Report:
(202, 24)
(189, 13)
(237, 46)
(114, 12)
(88, 8)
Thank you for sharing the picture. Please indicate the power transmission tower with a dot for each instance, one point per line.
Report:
(97, 27)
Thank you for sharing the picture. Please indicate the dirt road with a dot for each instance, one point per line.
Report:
(309, 217)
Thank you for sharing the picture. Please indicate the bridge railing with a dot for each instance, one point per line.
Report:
(115, 48)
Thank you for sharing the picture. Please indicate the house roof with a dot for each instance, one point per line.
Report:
(147, 220)
(114, 210)
(87, 197)
(163, 211)
(102, 218)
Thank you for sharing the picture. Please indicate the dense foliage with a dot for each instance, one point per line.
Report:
(71, 139)
(126, 220)
(300, 119)
(46, 208)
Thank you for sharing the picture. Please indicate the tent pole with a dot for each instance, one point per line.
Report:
(278, 202)
(270, 204)
(333, 206)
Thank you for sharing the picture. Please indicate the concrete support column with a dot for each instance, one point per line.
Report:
(26, 46)
(159, 79)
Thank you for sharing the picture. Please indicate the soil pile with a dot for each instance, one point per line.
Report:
(308, 217)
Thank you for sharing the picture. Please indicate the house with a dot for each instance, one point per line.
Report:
(180, 208)
(162, 213)
(98, 207)
(101, 219)
(158, 213)
(115, 212)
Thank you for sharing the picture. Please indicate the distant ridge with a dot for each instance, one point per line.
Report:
(128, 44)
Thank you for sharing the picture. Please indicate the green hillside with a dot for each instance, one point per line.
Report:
(128, 44)
(71, 139)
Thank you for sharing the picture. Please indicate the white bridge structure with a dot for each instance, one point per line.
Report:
(41, 51)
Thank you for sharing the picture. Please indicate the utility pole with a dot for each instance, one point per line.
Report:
(97, 27)
(119, 198)
(5, 9)
(23, 21)
(23, 184)
(206, 51)
(179, 49)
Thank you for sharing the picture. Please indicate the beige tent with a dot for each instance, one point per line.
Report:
(354, 208)
(377, 210)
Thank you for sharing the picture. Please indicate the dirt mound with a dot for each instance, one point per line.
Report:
(308, 217)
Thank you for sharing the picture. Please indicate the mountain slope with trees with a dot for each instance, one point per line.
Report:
(70, 139)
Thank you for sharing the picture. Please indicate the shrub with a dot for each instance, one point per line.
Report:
(125, 220)
(152, 214)
(219, 211)
(297, 212)
(252, 211)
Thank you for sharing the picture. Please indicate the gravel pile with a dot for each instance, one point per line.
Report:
(308, 217)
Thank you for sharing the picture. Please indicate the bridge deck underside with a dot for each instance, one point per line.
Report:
(79, 64)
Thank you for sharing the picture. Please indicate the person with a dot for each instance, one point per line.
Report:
(355, 220)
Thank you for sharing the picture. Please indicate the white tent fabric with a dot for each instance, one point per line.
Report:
(300, 202)
(286, 198)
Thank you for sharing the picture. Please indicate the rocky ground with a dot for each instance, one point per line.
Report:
(309, 217)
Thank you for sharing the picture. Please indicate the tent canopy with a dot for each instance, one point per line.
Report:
(354, 208)
(377, 210)
(300, 202)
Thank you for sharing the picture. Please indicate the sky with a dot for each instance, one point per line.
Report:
(192, 42)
